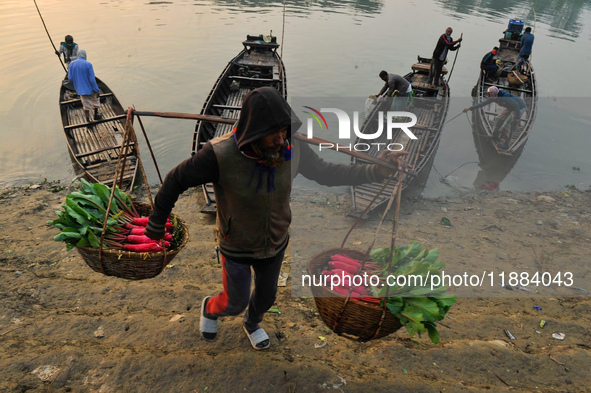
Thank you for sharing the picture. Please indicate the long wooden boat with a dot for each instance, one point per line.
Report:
(94, 146)
(258, 64)
(512, 81)
(430, 106)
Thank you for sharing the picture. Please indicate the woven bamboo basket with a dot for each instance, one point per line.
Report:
(347, 317)
(133, 265)
(515, 81)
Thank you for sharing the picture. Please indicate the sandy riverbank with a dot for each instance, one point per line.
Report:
(53, 307)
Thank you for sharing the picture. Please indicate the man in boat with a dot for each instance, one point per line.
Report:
(252, 169)
(527, 42)
(69, 48)
(507, 121)
(81, 73)
(395, 87)
(489, 65)
(444, 44)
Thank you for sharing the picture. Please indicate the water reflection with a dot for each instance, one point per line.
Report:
(563, 16)
(493, 167)
(296, 8)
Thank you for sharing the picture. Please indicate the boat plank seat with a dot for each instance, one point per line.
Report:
(509, 88)
(86, 124)
(425, 67)
(227, 107)
(78, 99)
(246, 78)
(85, 154)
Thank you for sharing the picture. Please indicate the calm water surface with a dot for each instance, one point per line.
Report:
(166, 55)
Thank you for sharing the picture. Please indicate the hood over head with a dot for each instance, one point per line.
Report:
(264, 112)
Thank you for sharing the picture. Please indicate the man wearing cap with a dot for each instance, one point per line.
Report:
(508, 119)
(81, 74)
(488, 64)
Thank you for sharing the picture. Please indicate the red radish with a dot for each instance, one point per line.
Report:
(345, 291)
(342, 273)
(344, 258)
(144, 239)
(141, 221)
(139, 231)
(370, 299)
(344, 266)
(353, 264)
(144, 247)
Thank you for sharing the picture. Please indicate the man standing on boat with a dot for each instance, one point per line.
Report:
(527, 42)
(444, 44)
(81, 73)
(69, 48)
(252, 169)
(508, 119)
(395, 87)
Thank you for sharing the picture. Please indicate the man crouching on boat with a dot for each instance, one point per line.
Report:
(252, 170)
(508, 120)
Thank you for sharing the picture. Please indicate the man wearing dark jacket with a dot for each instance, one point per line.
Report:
(252, 170)
(444, 44)
(488, 64)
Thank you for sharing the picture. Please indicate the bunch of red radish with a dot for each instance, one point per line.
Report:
(345, 269)
(131, 237)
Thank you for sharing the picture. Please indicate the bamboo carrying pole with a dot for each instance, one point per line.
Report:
(301, 137)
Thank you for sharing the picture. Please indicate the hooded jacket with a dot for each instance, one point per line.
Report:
(253, 211)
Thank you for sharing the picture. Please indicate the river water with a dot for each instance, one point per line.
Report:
(166, 56)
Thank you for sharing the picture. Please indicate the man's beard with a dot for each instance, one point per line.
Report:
(267, 157)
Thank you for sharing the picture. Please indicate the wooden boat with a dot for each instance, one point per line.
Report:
(512, 81)
(258, 64)
(430, 106)
(94, 147)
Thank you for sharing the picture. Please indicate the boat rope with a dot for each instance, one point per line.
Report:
(50, 40)
(443, 179)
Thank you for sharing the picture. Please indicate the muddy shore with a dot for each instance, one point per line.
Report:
(66, 328)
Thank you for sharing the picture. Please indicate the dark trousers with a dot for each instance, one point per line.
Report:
(435, 71)
(490, 70)
(236, 296)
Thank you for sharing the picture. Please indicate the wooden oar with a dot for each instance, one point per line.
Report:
(454, 64)
(50, 40)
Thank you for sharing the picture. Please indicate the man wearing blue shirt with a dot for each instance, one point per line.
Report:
(527, 42)
(81, 74)
(504, 124)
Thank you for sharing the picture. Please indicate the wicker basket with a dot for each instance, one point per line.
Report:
(348, 317)
(132, 265)
(515, 81)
